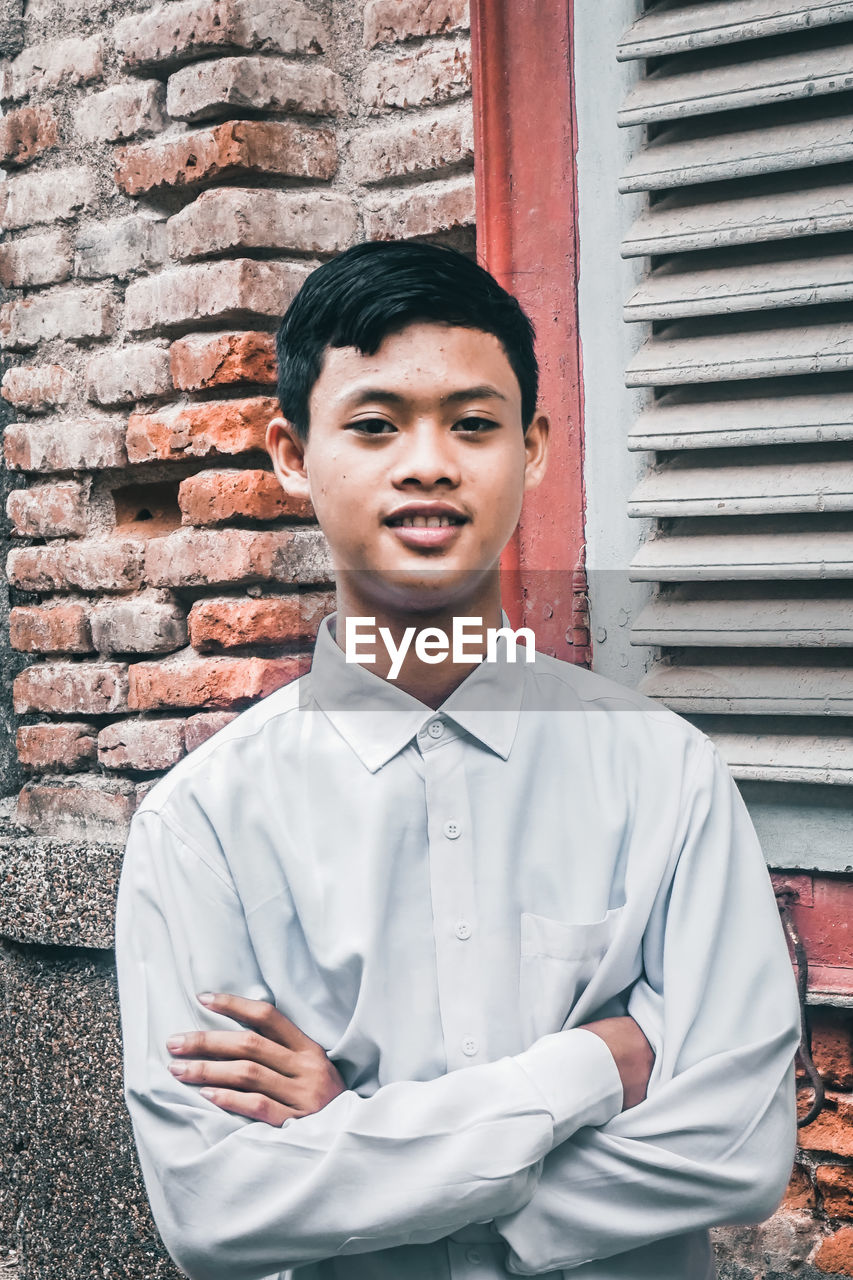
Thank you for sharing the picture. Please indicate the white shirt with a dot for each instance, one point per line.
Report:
(439, 898)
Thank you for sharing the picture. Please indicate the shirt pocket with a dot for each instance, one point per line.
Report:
(558, 961)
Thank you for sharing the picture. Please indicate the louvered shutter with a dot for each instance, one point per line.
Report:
(744, 138)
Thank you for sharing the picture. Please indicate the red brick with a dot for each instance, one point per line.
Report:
(832, 1047)
(189, 681)
(197, 430)
(121, 247)
(231, 623)
(433, 74)
(123, 375)
(61, 628)
(212, 497)
(37, 388)
(141, 625)
(835, 1183)
(800, 1192)
(241, 290)
(86, 807)
(47, 196)
(833, 1128)
(95, 564)
(235, 149)
(72, 688)
(57, 747)
(425, 145)
(25, 133)
(122, 111)
(835, 1255)
(206, 89)
(211, 557)
(204, 360)
(49, 510)
(75, 445)
(226, 218)
(70, 313)
(180, 32)
(422, 211)
(146, 745)
(36, 260)
(53, 65)
(204, 725)
(389, 20)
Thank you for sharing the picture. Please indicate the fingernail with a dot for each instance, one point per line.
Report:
(207, 997)
(175, 1042)
(207, 1093)
(177, 1068)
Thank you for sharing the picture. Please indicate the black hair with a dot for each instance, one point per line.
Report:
(377, 288)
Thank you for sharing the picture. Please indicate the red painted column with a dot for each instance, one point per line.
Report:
(524, 155)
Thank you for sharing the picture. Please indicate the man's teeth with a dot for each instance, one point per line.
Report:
(425, 522)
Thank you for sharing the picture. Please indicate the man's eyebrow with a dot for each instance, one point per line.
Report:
(373, 395)
(482, 392)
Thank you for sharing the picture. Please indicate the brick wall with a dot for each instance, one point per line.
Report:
(172, 176)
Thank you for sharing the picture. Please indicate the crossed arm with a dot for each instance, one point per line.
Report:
(272, 1072)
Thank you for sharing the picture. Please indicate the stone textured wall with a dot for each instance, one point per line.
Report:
(172, 173)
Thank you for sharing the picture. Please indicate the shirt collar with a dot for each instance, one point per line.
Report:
(377, 719)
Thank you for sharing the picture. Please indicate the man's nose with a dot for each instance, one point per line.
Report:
(427, 456)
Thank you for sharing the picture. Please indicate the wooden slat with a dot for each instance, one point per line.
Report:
(762, 420)
(753, 219)
(746, 689)
(784, 757)
(722, 621)
(671, 94)
(775, 487)
(679, 355)
(680, 28)
(738, 554)
(678, 160)
(714, 289)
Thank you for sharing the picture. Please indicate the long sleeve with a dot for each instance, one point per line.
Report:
(413, 1162)
(714, 1140)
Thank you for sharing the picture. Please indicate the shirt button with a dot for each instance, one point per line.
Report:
(452, 830)
(463, 929)
(472, 1255)
(435, 728)
(469, 1046)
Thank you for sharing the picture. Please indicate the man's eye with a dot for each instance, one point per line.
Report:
(372, 426)
(476, 425)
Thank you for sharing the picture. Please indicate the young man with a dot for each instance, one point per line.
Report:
(445, 969)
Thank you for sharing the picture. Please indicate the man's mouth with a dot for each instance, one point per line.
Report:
(424, 522)
(426, 526)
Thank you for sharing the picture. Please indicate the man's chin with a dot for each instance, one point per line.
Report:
(423, 588)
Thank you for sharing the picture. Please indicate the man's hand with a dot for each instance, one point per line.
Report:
(270, 1072)
(632, 1054)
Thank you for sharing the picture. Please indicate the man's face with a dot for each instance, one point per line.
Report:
(416, 463)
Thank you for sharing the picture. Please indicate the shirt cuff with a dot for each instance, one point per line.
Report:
(576, 1074)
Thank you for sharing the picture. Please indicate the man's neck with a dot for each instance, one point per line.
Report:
(395, 651)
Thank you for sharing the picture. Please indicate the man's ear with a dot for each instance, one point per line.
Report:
(287, 451)
(536, 449)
